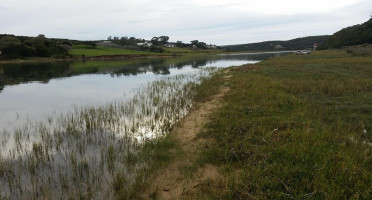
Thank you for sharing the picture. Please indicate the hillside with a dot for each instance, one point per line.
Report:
(353, 35)
(295, 44)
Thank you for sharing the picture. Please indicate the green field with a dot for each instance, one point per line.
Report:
(90, 51)
(105, 51)
(178, 50)
(191, 50)
(293, 127)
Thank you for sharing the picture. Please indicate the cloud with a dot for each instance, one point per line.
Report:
(213, 21)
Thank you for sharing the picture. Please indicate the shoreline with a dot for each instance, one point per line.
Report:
(124, 56)
(103, 57)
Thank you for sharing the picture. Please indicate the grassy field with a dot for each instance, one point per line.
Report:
(293, 127)
(104, 51)
(191, 50)
(87, 50)
(178, 50)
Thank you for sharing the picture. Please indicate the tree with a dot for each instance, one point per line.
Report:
(8, 40)
(194, 42)
(163, 39)
(109, 38)
(155, 40)
(201, 45)
(179, 44)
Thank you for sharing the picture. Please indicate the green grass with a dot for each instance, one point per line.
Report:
(178, 50)
(158, 152)
(91, 51)
(104, 51)
(294, 128)
(191, 50)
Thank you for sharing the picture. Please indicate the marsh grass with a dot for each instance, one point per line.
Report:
(295, 127)
(103, 152)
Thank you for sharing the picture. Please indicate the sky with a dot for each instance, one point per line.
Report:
(220, 22)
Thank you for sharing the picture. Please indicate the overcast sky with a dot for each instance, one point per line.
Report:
(213, 21)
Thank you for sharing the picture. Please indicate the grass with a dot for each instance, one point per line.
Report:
(178, 50)
(294, 127)
(105, 51)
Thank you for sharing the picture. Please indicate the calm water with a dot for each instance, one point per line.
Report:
(34, 91)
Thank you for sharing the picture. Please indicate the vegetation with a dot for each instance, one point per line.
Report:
(105, 152)
(294, 127)
(353, 35)
(295, 44)
(103, 51)
(20, 47)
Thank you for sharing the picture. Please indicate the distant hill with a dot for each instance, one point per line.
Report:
(295, 44)
(353, 35)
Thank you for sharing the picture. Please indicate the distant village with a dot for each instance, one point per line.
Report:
(162, 41)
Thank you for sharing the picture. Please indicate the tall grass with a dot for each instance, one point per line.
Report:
(96, 152)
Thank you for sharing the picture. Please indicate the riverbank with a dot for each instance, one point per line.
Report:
(109, 53)
(297, 126)
(77, 58)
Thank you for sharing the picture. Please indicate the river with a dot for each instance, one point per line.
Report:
(33, 91)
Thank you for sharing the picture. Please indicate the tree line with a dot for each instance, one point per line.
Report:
(40, 46)
(156, 41)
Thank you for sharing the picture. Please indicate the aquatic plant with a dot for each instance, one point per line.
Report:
(93, 151)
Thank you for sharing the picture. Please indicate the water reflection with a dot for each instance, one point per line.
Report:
(78, 151)
(31, 91)
(13, 74)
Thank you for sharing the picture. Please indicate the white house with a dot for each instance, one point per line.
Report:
(211, 46)
(170, 45)
(278, 46)
(145, 44)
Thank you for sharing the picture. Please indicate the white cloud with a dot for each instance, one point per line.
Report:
(213, 21)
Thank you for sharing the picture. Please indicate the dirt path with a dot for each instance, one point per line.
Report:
(180, 179)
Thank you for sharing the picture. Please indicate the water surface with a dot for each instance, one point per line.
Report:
(78, 129)
(33, 91)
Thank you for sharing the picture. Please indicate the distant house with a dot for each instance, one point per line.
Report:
(211, 46)
(278, 46)
(145, 44)
(107, 43)
(170, 44)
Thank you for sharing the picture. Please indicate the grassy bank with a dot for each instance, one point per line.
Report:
(294, 127)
